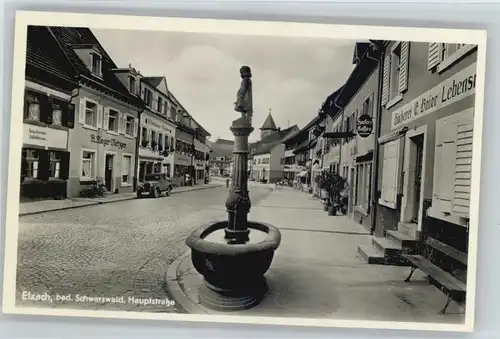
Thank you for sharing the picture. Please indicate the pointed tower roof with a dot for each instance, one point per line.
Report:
(269, 123)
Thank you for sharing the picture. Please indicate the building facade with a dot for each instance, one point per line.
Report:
(48, 117)
(426, 140)
(103, 140)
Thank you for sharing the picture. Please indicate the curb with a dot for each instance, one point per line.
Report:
(93, 203)
(174, 289)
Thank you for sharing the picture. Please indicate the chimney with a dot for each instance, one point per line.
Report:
(129, 65)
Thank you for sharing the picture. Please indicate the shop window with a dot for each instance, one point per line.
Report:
(32, 160)
(32, 106)
(90, 114)
(88, 165)
(113, 120)
(54, 165)
(126, 168)
(130, 126)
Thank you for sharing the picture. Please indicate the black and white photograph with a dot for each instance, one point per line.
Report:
(243, 171)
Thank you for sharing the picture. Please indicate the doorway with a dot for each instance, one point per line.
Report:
(418, 148)
(108, 172)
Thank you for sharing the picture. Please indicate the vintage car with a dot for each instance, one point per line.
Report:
(154, 185)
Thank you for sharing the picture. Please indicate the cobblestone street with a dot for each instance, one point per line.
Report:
(112, 250)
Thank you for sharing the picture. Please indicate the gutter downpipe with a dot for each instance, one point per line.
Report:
(376, 146)
(342, 126)
(137, 144)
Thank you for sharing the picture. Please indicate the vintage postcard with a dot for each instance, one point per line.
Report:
(244, 172)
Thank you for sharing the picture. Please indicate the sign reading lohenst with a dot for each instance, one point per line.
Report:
(457, 87)
(44, 136)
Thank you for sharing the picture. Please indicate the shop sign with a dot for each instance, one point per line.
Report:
(182, 159)
(44, 136)
(364, 126)
(162, 126)
(107, 142)
(455, 88)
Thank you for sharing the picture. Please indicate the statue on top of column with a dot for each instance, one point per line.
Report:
(244, 104)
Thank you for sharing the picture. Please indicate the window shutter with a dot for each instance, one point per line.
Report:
(135, 127)
(99, 116)
(463, 166)
(70, 116)
(385, 81)
(64, 169)
(403, 66)
(45, 109)
(390, 172)
(448, 156)
(81, 111)
(106, 119)
(433, 57)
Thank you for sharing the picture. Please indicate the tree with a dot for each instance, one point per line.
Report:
(333, 184)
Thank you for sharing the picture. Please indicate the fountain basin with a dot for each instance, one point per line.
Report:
(233, 273)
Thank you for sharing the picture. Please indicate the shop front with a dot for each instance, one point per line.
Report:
(44, 162)
(102, 145)
(182, 166)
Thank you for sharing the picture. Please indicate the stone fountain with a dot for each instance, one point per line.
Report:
(234, 254)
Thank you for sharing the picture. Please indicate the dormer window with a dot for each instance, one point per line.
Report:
(132, 85)
(96, 63)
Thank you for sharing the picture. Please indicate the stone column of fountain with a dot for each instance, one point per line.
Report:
(233, 255)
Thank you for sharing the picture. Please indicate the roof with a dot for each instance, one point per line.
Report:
(269, 142)
(269, 123)
(70, 37)
(43, 53)
(359, 50)
(219, 150)
(153, 81)
(224, 142)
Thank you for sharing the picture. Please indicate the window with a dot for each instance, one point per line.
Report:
(90, 113)
(148, 97)
(160, 105)
(160, 141)
(165, 108)
(113, 120)
(32, 107)
(167, 146)
(154, 141)
(32, 160)
(390, 173)
(57, 114)
(172, 144)
(130, 126)
(441, 56)
(395, 81)
(96, 64)
(54, 164)
(132, 85)
(88, 165)
(367, 108)
(126, 167)
(178, 146)
(144, 134)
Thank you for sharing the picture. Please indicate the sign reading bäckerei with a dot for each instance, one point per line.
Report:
(456, 87)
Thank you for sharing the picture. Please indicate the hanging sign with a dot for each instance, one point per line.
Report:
(365, 125)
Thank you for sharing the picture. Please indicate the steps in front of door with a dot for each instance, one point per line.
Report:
(388, 250)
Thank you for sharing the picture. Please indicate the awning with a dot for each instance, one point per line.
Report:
(302, 174)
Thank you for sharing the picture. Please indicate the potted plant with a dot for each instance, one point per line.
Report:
(333, 184)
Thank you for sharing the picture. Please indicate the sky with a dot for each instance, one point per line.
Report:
(290, 76)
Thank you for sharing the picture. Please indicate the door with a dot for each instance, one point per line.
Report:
(108, 174)
(417, 179)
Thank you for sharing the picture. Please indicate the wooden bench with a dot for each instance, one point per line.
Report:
(449, 284)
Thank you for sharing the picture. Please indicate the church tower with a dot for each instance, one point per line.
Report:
(269, 126)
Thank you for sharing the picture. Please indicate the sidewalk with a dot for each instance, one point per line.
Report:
(316, 272)
(42, 206)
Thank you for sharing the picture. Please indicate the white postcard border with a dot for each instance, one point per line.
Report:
(238, 27)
